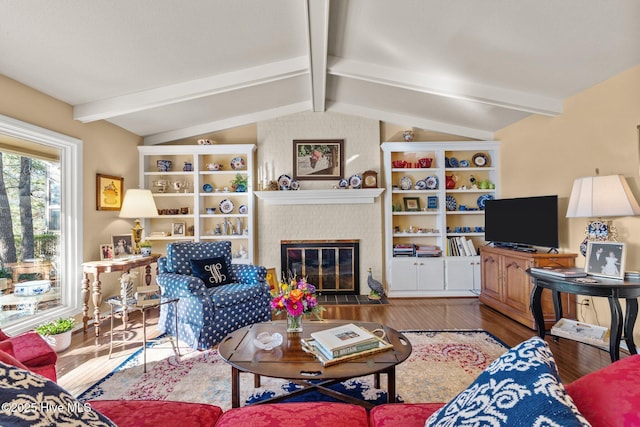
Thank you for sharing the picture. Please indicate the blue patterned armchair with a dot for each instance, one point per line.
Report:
(230, 296)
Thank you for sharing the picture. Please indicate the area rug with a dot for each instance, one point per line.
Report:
(442, 364)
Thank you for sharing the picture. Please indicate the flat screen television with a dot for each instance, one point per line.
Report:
(523, 222)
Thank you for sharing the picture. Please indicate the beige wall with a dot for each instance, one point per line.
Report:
(597, 130)
(106, 149)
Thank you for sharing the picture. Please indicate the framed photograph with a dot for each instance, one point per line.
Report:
(122, 245)
(320, 159)
(109, 192)
(178, 229)
(432, 202)
(106, 252)
(606, 259)
(411, 204)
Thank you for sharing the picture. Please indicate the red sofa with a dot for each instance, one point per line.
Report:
(609, 397)
(31, 351)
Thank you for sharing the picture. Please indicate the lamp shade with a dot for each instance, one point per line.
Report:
(601, 196)
(138, 203)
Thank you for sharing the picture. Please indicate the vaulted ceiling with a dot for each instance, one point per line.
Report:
(169, 69)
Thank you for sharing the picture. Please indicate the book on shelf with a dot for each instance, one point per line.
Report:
(560, 271)
(343, 339)
(310, 345)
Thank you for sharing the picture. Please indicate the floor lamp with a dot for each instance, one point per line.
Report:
(599, 197)
(138, 204)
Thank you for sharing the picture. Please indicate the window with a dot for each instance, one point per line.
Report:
(56, 162)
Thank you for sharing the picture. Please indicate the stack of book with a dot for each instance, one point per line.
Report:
(404, 249)
(343, 343)
(428, 251)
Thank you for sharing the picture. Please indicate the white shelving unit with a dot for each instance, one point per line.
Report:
(410, 220)
(191, 199)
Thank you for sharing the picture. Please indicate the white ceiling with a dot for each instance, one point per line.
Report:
(171, 69)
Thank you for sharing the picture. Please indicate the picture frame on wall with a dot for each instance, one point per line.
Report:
(605, 259)
(109, 192)
(106, 252)
(122, 245)
(411, 204)
(318, 159)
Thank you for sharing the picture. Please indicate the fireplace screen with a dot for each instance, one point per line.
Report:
(332, 266)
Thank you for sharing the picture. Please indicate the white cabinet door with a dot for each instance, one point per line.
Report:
(430, 274)
(403, 274)
(462, 273)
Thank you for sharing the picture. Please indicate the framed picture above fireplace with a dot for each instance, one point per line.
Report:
(318, 159)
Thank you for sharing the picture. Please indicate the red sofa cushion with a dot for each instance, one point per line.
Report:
(6, 355)
(32, 350)
(139, 413)
(402, 414)
(610, 396)
(311, 414)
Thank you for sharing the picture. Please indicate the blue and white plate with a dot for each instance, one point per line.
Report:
(432, 182)
(242, 209)
(355, 181)
(284, 182)
(343, 183)
(464, 163)
(226, 206)
(451, 203)
(237, 163)
(482, 199)
(453, 162)
(406, 183)
(421, 184)
(294, 184)
(208, 188)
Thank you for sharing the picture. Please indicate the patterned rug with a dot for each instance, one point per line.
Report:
(442, 364)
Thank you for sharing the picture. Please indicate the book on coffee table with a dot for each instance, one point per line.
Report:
(311, 346)
(344, 340)
(566, 272)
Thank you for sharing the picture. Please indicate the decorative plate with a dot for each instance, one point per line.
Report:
(421, 184)
(406, 183)
(597, 230)
(284, 182)
(242, 209)
(208, 188)
(464, 163)
(343, 183)
(482, 199)
(226, 206)
(294, 184)
(451, 203)
(237, 163)
(453, 162)
(480, 159)
(355, 181)
(432, 182)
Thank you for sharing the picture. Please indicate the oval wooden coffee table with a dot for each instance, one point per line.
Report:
(288, 361)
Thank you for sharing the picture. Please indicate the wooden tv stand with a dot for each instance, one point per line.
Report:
(506, 286)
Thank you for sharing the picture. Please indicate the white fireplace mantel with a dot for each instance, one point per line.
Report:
(319, 197)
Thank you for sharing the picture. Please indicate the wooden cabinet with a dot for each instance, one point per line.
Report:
(506, 286)
(196, 191)
(420, 211)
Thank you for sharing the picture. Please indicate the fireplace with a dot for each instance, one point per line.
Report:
(333, 266)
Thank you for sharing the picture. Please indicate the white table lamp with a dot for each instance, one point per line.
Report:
(138, 203)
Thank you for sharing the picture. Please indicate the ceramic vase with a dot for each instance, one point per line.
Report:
(294, 323)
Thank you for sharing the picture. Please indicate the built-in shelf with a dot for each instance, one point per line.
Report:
(320, 197)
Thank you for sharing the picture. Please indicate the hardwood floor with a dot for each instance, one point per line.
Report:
(86, 361)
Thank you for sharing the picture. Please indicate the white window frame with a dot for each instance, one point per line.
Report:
(69, 272)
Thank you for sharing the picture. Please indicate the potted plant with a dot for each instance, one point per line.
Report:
(5, 279)
(239, 183)
(57, 333)
(145, 247)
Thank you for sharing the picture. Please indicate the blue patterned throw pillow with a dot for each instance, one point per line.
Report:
(520, 388)
(29, 399)
(212, 271)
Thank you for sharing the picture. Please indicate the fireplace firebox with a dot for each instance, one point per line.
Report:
(331, 265)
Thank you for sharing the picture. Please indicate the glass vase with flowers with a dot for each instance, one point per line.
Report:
(296, 298)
